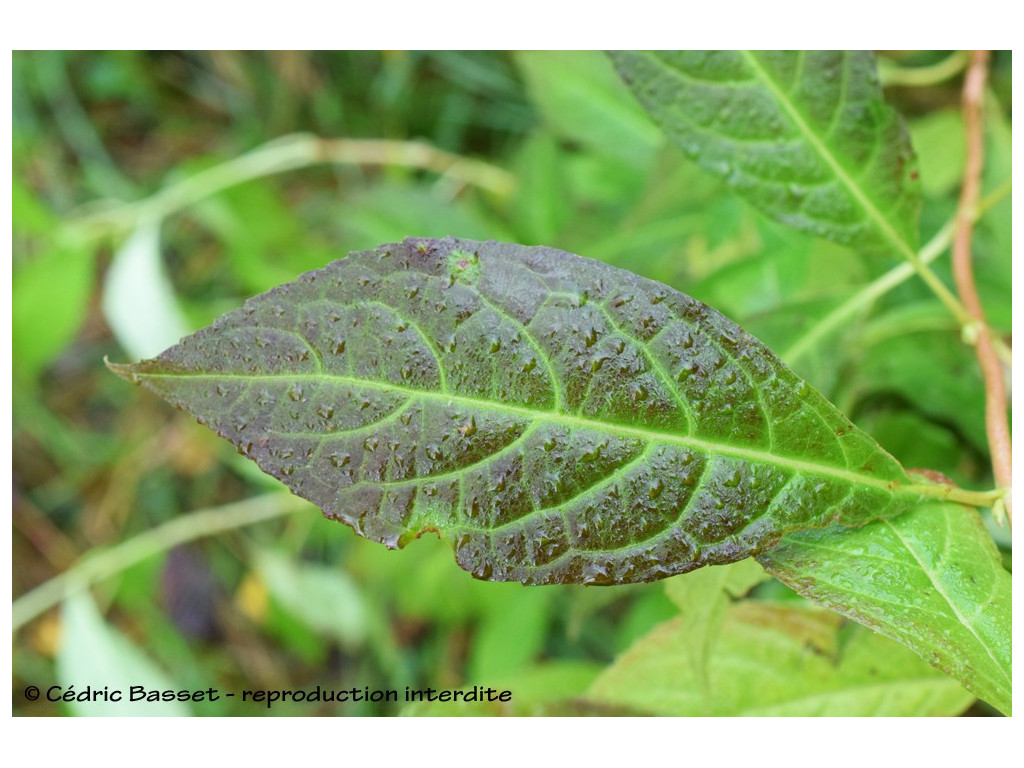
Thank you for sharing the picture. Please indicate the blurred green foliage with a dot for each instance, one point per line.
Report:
(300, 602)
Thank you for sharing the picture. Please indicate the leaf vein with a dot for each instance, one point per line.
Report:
(829, 158)
(568, 420)
(949, 601)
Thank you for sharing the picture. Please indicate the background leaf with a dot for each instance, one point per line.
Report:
(50, 296)
(938, 140)
(324, 598)
(138, 299)
(913, 353)
(805, 136)
(703, 598)
(775, 660)
(931, 579)
(580, 97)
(510, 635)
(93, 654)
(52, 281)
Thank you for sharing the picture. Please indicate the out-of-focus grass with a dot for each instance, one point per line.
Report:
(296, 601)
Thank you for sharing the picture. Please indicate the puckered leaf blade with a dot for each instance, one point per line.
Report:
(806, 136)
(932, 580)
(557, 419)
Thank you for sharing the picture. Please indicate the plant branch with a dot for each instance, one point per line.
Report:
(293, 152)
(102, 565)
(960, 495)
(865, 296)
(895, 75)
(991, 369)
(946, 296)
(885, 283)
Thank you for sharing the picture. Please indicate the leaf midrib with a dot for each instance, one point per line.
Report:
(706, 446)
(933, 576)
(830, 159)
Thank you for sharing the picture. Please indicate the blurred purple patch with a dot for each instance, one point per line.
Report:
(190, 594)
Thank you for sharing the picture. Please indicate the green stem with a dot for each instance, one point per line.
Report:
(867, 295)
(291, 153)
(961, 495)
(894, 74)
(944, 294)
(894, 277)
(109, 562)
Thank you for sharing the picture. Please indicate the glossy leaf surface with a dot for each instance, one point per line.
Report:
(775, 660)
(931, 579)
(805, 135)
(557, 419)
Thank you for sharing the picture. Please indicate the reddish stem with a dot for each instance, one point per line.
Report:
(991, 369)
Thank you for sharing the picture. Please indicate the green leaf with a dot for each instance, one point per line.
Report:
(324, 599)
(29, 215)
(511, 634)
(264, 242)
(542, 204)
(932, 580)
(579, 96)
(50, 297)
(774, 660)
(94, 655)
(558, 419)
(805, 135)
(645, 609)
(703, 598)
(609, 141)
(938, 139)
(908, 352)
(139, 301)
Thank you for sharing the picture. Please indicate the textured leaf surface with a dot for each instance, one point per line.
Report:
(932, 580)
(805, 135)
(775, 660)
(557, 419)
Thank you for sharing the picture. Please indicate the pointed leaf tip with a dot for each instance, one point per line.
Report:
(125, 371)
